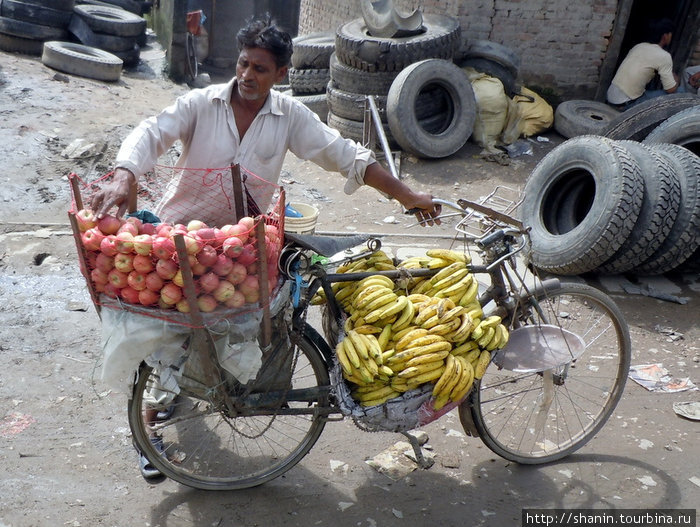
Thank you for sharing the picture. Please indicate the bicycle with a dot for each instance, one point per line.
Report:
(543, 397)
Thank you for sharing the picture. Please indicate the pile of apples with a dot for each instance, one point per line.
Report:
(138, 261)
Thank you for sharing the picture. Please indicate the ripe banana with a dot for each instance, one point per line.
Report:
(451, 279)
(449, 271)
(463, 331)
(390, 310)
(351, 352)
(486, 337)
(465, 348)
(366, 329)
(482, 364)
(384, 337)
(378, 302)
(414, 382)
(378, 279)
(465, 383)
(448, 254)
(375, 351)
(409, 337)
(358, 343)
(446, 376)
(437, 263)
(369, 293)
(470, 294)
(406, 316)
(343, 358)
(427, 358)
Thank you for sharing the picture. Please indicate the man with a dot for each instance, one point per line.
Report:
(690, 81)
(643, 62)
(247, 123)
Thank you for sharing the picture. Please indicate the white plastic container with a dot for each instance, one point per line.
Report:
(304, 225)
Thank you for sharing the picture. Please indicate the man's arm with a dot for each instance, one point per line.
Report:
(377, 177)
(114, 194)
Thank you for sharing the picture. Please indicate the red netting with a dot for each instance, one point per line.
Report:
(231, 242)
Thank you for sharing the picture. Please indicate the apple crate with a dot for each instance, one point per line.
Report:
(214, 260)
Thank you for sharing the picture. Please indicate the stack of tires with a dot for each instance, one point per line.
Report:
(494, 59)
(310, 71)
(610, 206)
(422, 96)
(26, 24)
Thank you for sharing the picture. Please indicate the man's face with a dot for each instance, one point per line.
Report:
(257, 72)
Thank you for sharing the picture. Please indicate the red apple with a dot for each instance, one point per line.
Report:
(86, 219)
(209, 282)
(130, 295)
(247, 223)
(99, 276)
(154, 282)
(136, 222)
(224, 291)
(248, 254)
(104, 262)
(129, 227)
(192, 244)
(143, 264)
(148, 297)
(136, 280)
(237, 274)
(124, 242)
(249, 285)
(237, 300)
(92, 238)
(239, 231)
(207, 256)
(223, 265)
(196, 267)
(177, 279)
(163, 247)
(124, 262)
(164, 229)
(207, 235)
(170, 294)
(108, 245)
(252, 297)
(206, 303)
(166, 269)
(183, 306)
(148, 228)
(111, 290)
(143, 243)
(195, 225)
(164, 305)
(232, 246)
(117, 278)
(109, 224)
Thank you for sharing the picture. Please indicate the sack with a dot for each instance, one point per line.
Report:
(492, 109)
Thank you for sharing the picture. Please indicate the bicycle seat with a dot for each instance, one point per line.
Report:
(326, 245)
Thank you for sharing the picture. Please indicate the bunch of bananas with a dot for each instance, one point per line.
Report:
(431, 331)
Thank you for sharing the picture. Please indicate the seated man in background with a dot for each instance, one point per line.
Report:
(643, 62)
(690, 81)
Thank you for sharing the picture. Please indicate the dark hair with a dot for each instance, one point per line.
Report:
(264, 33)
(658, 28)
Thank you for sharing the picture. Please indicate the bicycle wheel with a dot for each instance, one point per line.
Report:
(205, 448)
(533, 418)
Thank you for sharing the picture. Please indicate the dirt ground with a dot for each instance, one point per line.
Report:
(65, 449)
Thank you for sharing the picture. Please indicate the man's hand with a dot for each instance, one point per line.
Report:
(694, 80)
(114, 194)
(428, 213)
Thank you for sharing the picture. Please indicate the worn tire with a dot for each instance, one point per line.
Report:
(581, 117)
(111, 20)
(13, 44)
(351, 129)
(431, 75)
(62, 5)
(606, 210)
(494, 52)
(681, 129)
(43, 15)
(662, 194)
(313, 51)
(638, 122)
(317, 103)
(308, 80)
(83, 61)
(355, 47)
(353, 80)
(493, 69)
(29, 30)
(684, 237)
(112, 43)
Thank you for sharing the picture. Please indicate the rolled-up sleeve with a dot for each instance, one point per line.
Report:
(314, 141)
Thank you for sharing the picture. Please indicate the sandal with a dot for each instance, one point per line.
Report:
(148, 471)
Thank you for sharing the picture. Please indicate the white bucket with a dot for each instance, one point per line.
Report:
(304, 225)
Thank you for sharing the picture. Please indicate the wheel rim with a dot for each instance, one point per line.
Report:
(536, 418)
(207, 450)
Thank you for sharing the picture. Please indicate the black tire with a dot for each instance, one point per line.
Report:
(662, 194)
(691, 265)
(45, 16)
(510, 409)
(495, 52)
(355, 47)
(111, 20)
(638, 122)
(229, 453)
(608, 205)
(112, 43)
(308, 80)
(351, 129)
(684, 237)
(13, 44)
(83, 61)
(29, 30)
(426, 76)
(681, 129)
(130, 57)
(353, 80)
(62, 5)
(493, 69)
(129, 5)
(313, 51)
(581, 117)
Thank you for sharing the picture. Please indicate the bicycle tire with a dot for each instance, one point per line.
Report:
(503, 404)
(191, 62)
(205, 449)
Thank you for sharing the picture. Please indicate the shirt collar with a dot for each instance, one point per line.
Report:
(272, 104)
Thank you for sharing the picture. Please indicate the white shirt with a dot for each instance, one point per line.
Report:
(203, 121)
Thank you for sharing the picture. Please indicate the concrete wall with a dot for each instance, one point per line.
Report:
(562, 43)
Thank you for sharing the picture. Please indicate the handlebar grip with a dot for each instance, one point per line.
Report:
(492, 238)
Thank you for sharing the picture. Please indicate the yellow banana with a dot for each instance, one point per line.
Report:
(388, 354)
(409, 337)
(484, 340)
(418, 298)
(384, 337)
(448, 254)
(447, 374)
(359, 344)
(477, 332)
(377, 303)
(463, 330)
(351, 352)
(456, 377)
(386, 371)
(369, 293)
(374, 393)
(424, 313)
(343, 358)
(497, 337)
(375, 351)
(467, 347)
(482, 364)
(437, 263)
(365, 375)
(427, 358)
(398, 335)
(448, 272)
(424, 340)
(470, 294)
(367, 329)
(491, 322)
(440, 401)
(376, 278)
(388, 311)
(505, 337)
(406, 316)
(464, 385)
(403, 356)
(399, 384)
(453, 278)
(425, 377)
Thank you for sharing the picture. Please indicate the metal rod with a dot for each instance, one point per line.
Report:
(387, 235)
(376, 119)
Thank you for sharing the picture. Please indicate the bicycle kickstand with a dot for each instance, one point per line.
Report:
(423, 462)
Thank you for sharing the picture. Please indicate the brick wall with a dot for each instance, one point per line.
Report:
(561, 43)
